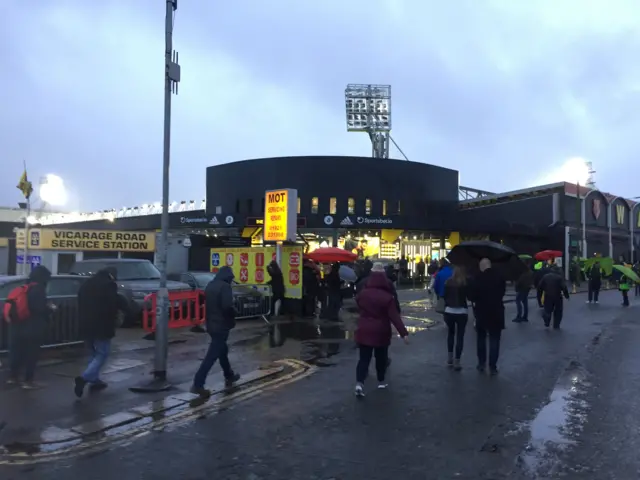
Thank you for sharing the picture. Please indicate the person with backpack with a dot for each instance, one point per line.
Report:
(98, 307)
(27, 312)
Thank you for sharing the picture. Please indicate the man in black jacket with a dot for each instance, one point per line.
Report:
(98, 307)
(220, 320)
(523, 287)
(594, 275)
(554, 288)
(25, 336)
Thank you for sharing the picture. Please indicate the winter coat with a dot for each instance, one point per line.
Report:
(98, 306)
(218, 295)
(277, 280)
(377, 312)
(553, 286)
(455, 296)
(333, 280)
(538, 274)
(525, 282)
(39, 310)
(487, 293)
(594, 274)
(442, 276)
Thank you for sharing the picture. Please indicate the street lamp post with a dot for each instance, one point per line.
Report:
(634, 222)
(171, 79)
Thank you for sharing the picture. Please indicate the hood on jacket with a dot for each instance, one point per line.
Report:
(40, 274)
(225, 274)
(274, 269)
(380, 281)
(108, 273)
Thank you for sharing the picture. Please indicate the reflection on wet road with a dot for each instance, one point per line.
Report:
(556, 426)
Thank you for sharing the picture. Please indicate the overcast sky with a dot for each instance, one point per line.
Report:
(502, 90)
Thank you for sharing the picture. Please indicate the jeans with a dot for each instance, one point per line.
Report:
(456, 323)
(594, 290)
(99, 351)
(382, 361)
(24, 350)
(522, 304)
(494, 346)
(553, 306)
(218, 350)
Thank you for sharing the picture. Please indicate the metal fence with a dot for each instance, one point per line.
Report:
(62, 328)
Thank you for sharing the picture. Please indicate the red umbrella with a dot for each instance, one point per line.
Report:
(331, 255)
(545, 255)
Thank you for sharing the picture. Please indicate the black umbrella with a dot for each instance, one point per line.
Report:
(504, 259)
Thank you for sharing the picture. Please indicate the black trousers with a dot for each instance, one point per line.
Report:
(456, 324)
(625, 297)
(24, 351)
(539, 297)
(382, 360)
(594, 290)
(553, 307)
(494, 346)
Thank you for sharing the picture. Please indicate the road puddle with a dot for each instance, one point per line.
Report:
(556, 426)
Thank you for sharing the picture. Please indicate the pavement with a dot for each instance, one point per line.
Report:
(561, 407)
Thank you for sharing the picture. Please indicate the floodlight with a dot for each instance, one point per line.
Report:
(368, 108)
(53, 191)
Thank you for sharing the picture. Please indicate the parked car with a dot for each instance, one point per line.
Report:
(136, 279)
(62, 291)
(249, 301)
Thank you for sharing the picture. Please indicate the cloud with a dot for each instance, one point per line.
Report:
(503, 91)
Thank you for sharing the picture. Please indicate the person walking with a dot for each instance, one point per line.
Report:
(594, 277)
(27, 311)
(98, 307)
(456, 315)
(554, 288)
(441, 278)
(334, 292)
(220, 320)
(523, 287)
(540, 270)
(277, 288)
(487, 295)
(624, 288)
(377, 312)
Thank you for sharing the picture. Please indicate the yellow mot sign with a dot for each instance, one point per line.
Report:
(280, 215)
(87, 240)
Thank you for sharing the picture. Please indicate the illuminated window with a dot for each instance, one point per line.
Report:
(367, 206)
(384, 207)
(298, 205)
(351, 205)
(314, 205)
(333, 205)
(399, 207)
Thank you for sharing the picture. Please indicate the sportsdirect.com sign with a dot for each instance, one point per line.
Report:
(88, 240)
(280, 215)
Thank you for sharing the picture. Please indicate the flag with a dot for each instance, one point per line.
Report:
(24, 185)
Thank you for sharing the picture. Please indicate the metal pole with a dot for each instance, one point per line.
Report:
(581, 220)
(25, 268)
(584, 224)
(610, 212)
(162, 315)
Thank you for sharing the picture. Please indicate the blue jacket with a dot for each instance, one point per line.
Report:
(441, 277)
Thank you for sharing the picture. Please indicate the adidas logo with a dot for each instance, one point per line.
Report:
(346, 222)
(214, 221)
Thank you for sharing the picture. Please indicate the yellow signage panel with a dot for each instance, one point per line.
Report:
(249, 265)
(280, 215)
(87, 240)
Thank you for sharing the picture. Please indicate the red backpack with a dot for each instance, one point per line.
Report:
(16, 307)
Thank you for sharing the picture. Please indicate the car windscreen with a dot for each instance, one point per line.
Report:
(202, 279)
(126, 270)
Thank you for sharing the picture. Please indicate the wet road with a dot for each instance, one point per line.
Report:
(556, 389)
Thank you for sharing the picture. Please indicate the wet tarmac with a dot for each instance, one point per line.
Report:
(556, 426)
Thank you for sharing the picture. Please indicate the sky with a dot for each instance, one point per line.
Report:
(503, 91)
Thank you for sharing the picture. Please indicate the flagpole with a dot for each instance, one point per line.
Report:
(25, 268)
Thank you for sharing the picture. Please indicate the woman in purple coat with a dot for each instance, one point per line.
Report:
(378, 311)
